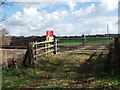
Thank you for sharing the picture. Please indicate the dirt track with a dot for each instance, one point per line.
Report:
(73, 48)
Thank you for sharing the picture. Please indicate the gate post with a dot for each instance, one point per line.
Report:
(117, 54)
(55, 46)
(30, 54)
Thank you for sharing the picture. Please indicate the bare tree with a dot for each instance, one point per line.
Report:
(4, 14)
(2, 17)
(4, 40)
(3, 31)
(2, 2)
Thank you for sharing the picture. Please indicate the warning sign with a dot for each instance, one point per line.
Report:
(49, 35)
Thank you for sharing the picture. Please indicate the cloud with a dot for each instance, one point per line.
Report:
(99, 24)
(53, 0)
(33, 20)
(78, 14)
(110, 4)
(93, 10)
(87, 26)
(106, 5)
(71, 5)
(64, 29)
(35, 4)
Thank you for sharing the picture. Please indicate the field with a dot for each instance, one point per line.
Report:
(64, 71)
(91, 41)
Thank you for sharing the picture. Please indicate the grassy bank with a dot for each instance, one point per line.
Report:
(63, 71)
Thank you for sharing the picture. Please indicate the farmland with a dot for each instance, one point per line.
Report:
(63, 71)
(90, 41)
(23, 41)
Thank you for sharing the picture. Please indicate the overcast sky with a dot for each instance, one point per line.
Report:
(64, 18)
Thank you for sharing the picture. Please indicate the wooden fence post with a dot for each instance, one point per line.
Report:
(30, 54)
(45, 49)
(119, 54)
(25, 60)
(35, 52)
(55, 46)
(116, 54)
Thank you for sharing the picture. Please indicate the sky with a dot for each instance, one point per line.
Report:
(64, 18)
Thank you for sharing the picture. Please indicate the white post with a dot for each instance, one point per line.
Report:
(55, 42)
(36, 51)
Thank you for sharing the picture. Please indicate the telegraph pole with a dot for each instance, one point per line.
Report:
(108, 32)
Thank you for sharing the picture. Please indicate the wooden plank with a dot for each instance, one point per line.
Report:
(44, 53)
(44, 48)
(35, 52)
(43, 42)
(14, 47)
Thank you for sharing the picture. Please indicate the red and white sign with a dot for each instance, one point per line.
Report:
(49, 35)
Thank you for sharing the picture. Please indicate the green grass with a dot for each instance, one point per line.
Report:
(91, 41)
(14, 78)
(110, 82)
(0, 78)
(63, 71)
